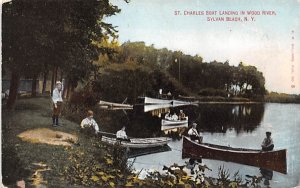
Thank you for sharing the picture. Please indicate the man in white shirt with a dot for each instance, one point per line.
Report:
(194, 135)
(122, 136)
(57, 103)
(89, 122)
(174, 117)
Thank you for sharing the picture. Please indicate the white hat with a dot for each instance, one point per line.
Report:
(58, 82)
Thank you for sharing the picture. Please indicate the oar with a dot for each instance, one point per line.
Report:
(106, 133)
(110, 134)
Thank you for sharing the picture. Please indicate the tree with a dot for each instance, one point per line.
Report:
(53, 34)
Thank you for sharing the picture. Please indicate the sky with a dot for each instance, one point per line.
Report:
(266, 42)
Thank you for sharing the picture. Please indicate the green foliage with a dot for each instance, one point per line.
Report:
(207, 79)
(118, 85)
(213, 92)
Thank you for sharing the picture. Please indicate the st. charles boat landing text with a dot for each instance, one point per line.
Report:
(221, 16)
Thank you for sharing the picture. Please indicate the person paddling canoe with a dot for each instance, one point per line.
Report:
(194, 135)
(267, 144)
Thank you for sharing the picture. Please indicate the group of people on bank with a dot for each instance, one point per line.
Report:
(90, 123)
(87, 123)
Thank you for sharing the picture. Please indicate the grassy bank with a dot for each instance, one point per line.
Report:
(38, 163)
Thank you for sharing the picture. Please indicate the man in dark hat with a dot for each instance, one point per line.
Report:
(267, 144)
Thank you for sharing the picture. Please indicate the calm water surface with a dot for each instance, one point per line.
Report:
(234, 125)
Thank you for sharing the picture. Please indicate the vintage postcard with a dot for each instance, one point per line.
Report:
(160, 93)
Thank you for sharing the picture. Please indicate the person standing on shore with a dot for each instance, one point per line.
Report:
(57, 103)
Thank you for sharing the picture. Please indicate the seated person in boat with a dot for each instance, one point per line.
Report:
(174, 117)
(168, 116)
(181, 115)
(267, 144)
(122, 136)
(194, 135)
(89, 124)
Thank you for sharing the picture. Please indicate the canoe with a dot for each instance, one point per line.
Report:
(166, 122)
(148, 100)
(113, 105)
(273, 160)
(139, 142)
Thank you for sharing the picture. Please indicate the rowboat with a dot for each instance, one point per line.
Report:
(170, 127)
(148, 100)
(273, 160)
(167, 122)
(138, 142)
(106, 104)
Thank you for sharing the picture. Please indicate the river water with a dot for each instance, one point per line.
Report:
(224, 124)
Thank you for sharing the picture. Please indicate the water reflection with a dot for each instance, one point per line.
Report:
(267, 175)
(243, 126)
(219, 118)
(176, 132)
(210, 118)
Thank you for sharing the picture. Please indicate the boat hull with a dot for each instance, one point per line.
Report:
(138, 142)
(273, 160)
(170, 127)
(165, 122)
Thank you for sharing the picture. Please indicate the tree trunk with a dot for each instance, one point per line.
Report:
(33, 85)
(52, 81)
(13, 90)
(65, 89)
(55, 77)
(70, 92)
(61, 75)
(45, 81)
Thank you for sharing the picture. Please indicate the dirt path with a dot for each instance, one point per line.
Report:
(40, 143)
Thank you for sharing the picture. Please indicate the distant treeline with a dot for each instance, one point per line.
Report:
(136, 69)
(281, 98)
